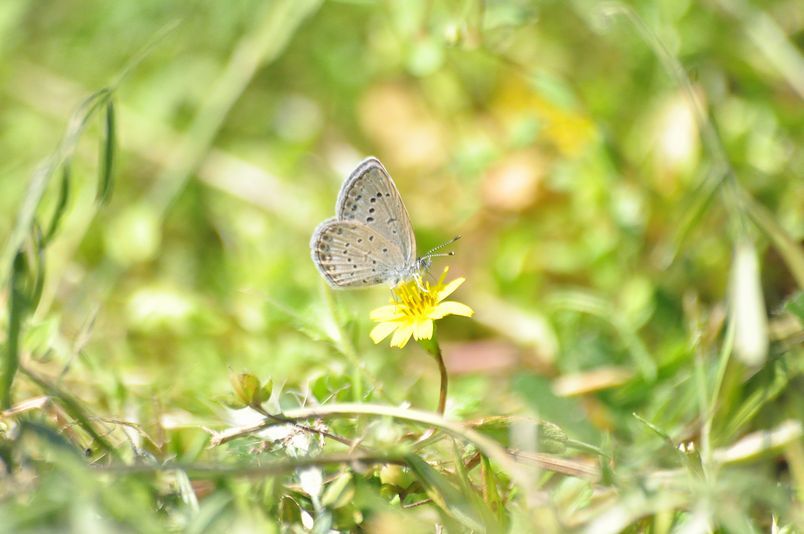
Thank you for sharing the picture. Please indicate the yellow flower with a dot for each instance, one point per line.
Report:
(414, 307)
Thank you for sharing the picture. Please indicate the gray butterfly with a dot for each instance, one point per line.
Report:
(370, 240)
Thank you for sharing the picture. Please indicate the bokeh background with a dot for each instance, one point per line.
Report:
(627, 179)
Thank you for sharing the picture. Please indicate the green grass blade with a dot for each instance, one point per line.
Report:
(107, 155)
(74, 409)
(61, 202)
(588, 303)
(441, 491)
(788, 248)
(38, 258)
(41, 178)
(25, 218)
(17, 306)
(474, 499)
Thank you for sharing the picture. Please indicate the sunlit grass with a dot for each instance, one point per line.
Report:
(625, 184)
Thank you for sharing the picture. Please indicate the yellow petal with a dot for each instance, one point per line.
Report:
(381, 331)
(384, 313)
(450, 288)
(423, 329)
(401, 336)
(443, 275)
(450, 307)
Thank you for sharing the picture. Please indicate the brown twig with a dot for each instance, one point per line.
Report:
(264, 469)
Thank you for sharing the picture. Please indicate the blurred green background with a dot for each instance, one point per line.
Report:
(626, 178)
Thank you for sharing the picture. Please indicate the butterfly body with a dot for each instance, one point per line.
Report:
(370, 240)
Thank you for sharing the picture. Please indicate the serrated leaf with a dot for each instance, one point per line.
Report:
(551, 438)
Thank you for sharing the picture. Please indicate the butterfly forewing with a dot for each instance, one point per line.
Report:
(369, 196)
(353, 254)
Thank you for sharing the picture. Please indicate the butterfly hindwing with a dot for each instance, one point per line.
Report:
(353, 254)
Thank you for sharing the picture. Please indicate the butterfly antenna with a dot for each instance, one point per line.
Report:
(431, 252)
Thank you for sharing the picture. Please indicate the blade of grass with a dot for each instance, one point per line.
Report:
(25, 218)
(41, 179)
(16, 310)
(38, 259)
(49, 435)
(272, 29)
(62, 155)
(73, 409)
(788, 248)
(446, 496)
(343, 344)
(696, 204)
(771, 40)
(782, 374)
(480, 507)
(585, 302)
(264, 42)
(106, 154)
(490, 492)
(61, 202)
(723, 174)
(659, 432)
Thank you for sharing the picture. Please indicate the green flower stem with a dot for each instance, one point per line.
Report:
(432, 346)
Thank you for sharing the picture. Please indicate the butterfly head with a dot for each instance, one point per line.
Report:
(423, 263)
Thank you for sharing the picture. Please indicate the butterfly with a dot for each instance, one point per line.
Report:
(370, 240)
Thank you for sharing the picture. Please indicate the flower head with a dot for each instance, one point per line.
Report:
(414, 307)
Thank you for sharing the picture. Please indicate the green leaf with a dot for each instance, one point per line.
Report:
(289, 511)
(265, 391)
(396, 475)
(230, 401)
(339, 492)
(246, 387)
